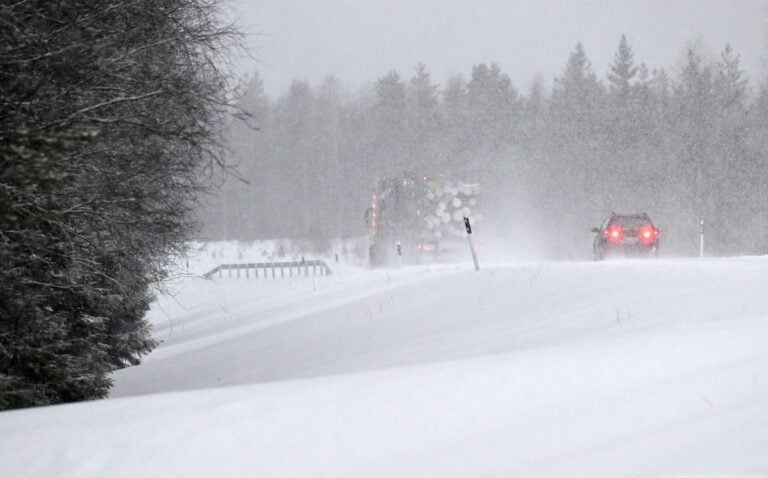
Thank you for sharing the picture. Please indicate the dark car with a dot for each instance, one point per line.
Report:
(627, 235)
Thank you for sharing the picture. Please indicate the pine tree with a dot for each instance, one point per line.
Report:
(621, 73)
(758, 151)
(48, 352)
(110, 112)
(422, 93)
(239, 210)
(390, 153)
(577, 93)
(456, 135)
(423, 122)
(732, 168)
(628, 120)
(729, 83)
(693, 123)
(575, 139)
(331, 174)
(533, 112)
(494, 107)
(622, 116)
(294, 159)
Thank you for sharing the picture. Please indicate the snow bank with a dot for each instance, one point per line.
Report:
(547, 369)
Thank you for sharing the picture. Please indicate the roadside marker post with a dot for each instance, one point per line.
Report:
(468, 226)
(399, 254)
(701, 239)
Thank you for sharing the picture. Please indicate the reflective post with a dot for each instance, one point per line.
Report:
(471, 246)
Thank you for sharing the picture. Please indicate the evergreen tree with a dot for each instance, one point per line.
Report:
(294, 160)
(732, 166)
(423, 122)
(578, 103)
(110, 111)
(241, 209)
(758, 151)
(331, 175)
(533, 118)
(493, 104)
(575, 138)
(622, 114)
(390, 152)
(577, 94)
(621, 73)
(534, 103)
(422, 93)
(679, 146)
(48, 351)
(648, 150)
(456, 141)
(693, 124)
(629, 119)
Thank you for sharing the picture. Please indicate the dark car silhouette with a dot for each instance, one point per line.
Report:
(626, 235)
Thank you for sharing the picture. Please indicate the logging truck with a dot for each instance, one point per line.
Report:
(416, 219)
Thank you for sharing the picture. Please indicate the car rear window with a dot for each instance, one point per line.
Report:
(630, 222)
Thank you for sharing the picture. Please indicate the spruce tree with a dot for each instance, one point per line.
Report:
(390, 137)
(575, 139)
(294, 158)
(732, 167)
(456, 140)
(110, 112)
(694, 114)
(621, 73)
(577, 93)
(494, 107)
(423, 123)
(758, 151)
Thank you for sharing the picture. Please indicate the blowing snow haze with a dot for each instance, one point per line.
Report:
(562, 112)
(444, 238)
(357, 41)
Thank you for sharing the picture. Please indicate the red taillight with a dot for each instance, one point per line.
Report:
(614, 233)
(648, 234)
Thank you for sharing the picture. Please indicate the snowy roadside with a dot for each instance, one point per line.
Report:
(630, 368)
(649, 404)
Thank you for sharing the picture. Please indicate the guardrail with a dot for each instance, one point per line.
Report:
(270, 269)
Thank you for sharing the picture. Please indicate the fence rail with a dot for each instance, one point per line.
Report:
(272, 270)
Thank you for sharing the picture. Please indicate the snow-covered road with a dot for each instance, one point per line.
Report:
(558, 369)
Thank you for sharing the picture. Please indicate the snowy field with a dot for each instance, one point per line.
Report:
(622, 368)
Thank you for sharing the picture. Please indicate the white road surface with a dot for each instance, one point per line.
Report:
(623, 368)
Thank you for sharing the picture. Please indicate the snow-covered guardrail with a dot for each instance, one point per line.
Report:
(272, 270)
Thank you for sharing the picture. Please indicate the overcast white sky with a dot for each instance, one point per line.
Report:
(361, 40)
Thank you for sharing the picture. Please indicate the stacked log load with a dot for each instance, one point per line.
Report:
(446, 204)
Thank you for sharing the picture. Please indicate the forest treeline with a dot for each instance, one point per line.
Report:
(111, 111)
(552, 162)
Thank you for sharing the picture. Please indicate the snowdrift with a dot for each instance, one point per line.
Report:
(547, 369)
